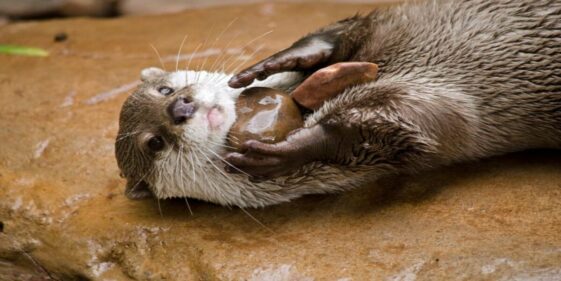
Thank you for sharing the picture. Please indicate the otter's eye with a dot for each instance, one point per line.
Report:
(156, 143)
(166, 91)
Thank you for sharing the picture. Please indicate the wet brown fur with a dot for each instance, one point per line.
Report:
(458, 80)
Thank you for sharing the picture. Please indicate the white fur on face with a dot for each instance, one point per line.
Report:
(179, 172)
(210, 91)
(193, 166)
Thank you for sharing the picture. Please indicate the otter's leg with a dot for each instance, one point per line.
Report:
(328, 45)
(367, 130)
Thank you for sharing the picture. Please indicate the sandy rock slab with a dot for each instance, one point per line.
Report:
(64, 215)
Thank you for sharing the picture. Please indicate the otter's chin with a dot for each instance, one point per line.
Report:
(215, 118)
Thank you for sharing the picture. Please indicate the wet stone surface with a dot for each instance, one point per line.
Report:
(264, 114)
(66, 218)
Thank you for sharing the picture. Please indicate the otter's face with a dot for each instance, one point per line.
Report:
(173, 136)
(168, 127)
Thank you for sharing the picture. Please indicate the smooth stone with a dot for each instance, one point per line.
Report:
(264, 114)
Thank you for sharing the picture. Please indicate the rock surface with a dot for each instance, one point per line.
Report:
(65, 216)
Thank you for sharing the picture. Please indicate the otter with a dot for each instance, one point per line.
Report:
(458, 81)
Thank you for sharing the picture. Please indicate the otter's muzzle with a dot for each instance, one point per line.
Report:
(181, 110)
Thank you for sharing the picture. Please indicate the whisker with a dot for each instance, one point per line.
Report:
(243, 210)
(257, 221)
(193, 54)
(220, 68)
(159, 57)
(179, 162)
(188, 206)
(245, 46)
(198, 164)
(159, 207)
(259, 37)
(220, 144)
(228, 163)
(258, 49)
(214, 165)
(183, 180)
(219, 57)
(142, 178)
(218, 38)
(128, 135)
(179, 53)
(199, 67)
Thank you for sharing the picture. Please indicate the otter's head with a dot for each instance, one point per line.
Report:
(173, 136)
(170, 124)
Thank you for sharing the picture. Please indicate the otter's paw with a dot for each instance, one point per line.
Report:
(265, 161)
(305, 54)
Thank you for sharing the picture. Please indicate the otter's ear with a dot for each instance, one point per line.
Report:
(137, 190)
(151, 73)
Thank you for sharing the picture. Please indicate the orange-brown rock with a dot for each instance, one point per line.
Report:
(264, 114)
(331, 81)
(65, 214)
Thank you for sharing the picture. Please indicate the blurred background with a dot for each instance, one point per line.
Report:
(37, 9)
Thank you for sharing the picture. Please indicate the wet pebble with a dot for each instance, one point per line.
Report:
(264, 114)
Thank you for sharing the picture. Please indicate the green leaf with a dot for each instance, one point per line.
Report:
(23, 51)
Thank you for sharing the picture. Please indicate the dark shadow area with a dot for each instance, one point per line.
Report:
(385, 193)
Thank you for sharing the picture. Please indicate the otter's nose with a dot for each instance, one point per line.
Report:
(181, 110)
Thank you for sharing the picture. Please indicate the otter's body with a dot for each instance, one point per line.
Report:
(496, 65)
(458, 80)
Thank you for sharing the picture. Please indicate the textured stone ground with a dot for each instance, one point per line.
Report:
(64, 214)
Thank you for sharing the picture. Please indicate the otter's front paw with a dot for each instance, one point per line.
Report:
(266, 161)
(305, 54)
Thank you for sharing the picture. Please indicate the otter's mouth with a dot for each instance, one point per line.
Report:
(215, 118)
